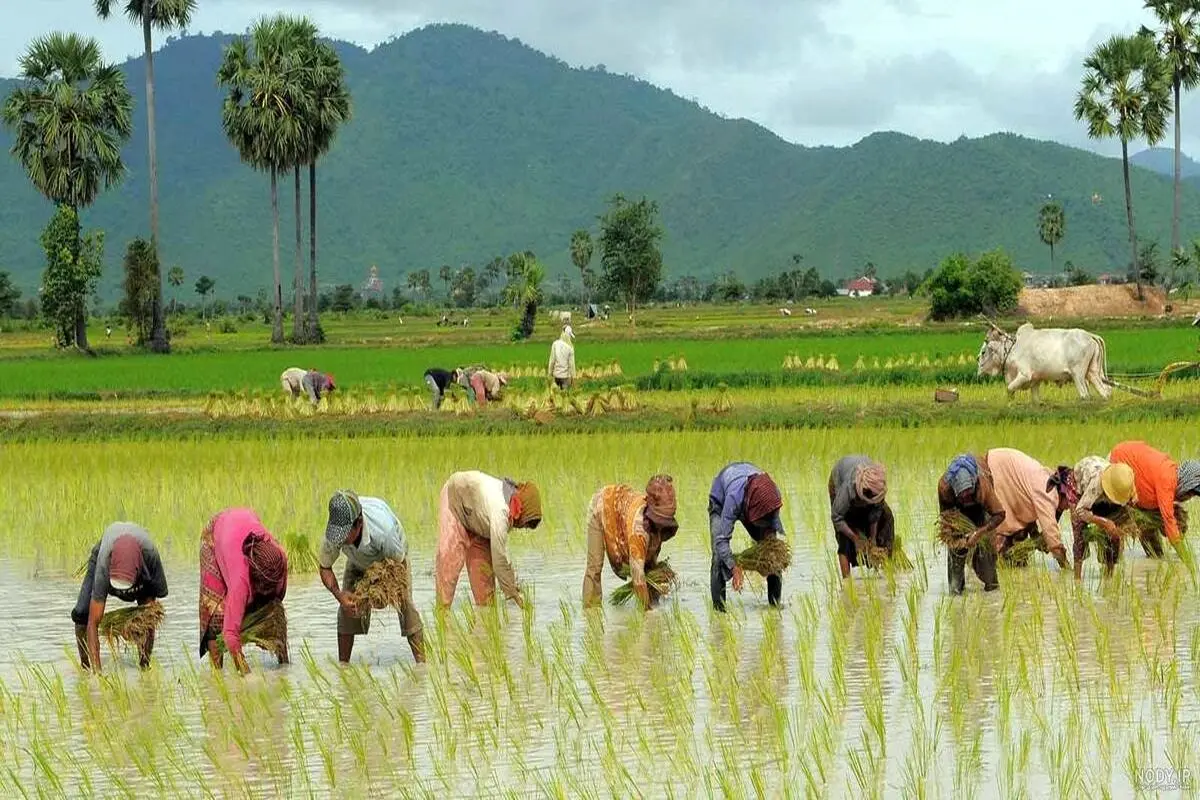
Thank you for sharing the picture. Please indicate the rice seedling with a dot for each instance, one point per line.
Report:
(660, 580)
(134, 625)
(384, 584)
(266, 628)
(769, 556)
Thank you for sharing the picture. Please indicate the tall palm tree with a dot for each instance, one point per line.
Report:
(1126, 93)
(1178, 39)
(165, 15)
(1052, 226)
(264, 112)
(70, 118)
(581, 257)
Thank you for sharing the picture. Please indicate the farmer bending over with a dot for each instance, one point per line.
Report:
(124, 564)
(741, 492)
(242, 569)
(1104, 491)
(475, 513)
(438, 380)
(1033, 498)
(315, 384)
(1162, 488)
(630, 526)
(967, 487)
(366, 531)
(861, 517)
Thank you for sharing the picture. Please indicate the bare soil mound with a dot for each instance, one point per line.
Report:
(1093, 301)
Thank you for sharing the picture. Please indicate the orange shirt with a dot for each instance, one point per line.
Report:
(1156, 477)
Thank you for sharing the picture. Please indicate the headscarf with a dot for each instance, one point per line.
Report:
(660, 501)
(762, 497)
(1063, 479)
(125, 562)
(268, 562)
(526, 505)
(870, 482)
(1189, 478)
(962, 474)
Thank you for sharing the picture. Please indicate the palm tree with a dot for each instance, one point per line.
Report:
(165, 15)
(1126, 94)
(264, 113)
(581, 256)
(70, 119)
(1052, 226)
(175, 278)
(524, 289)
(1178, 41)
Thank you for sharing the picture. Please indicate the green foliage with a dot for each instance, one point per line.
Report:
(524, 290)
(960, 287)
(343, 298)
(141, 275)
(1077, 276)
(9, 295)
(629, 237)
(1052, 226)
(73, 266)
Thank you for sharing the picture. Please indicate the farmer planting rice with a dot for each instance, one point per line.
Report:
(967, 488)
(1033, 498)
(475, 513)
(862, 520)
(368, 533)
(292, 381)
(126, 565)
(741, 492)
(316, 384)
(482, 384)
(1162, 487)
(630, 526)
(242, 570)
(439, 380)
(561, 366)
(1105, 489)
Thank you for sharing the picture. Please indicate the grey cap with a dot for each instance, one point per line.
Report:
(344, 511)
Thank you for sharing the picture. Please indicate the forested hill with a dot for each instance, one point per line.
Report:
(466, 145)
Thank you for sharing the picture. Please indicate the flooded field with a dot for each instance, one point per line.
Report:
(883, 686)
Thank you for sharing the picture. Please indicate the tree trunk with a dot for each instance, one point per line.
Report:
(1175, 209)
(277, 327)
(298, 278)
(1052, 258)
(158, 328)
(1137, 268)
(314, 322)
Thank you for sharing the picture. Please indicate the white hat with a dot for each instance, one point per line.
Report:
(567, 330)
(121, 585)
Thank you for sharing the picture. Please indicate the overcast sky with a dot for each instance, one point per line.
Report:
(813, 71)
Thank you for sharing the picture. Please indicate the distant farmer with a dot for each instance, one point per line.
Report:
(482, 384)
(366, 531)
(967, 487)
(741, 492)
(630, 527)
(1105, 489)
(861, 517)
(1162, 488)
(476, 511)
(562, 359)
(439, 380)
(242, 569)
(126, 565)
(291, 380)
(316, 384)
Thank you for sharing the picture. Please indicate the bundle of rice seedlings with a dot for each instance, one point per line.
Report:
(383, 584)
(877, 556)
(1018, 555)
(771, 556)
(265, 628)
(954, 529)
(301, 557)
(660, 579)
(132, 625)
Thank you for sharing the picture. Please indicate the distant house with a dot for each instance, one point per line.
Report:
(860, 287)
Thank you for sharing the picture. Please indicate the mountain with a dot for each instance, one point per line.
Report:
(1162, 161)
(465, 145)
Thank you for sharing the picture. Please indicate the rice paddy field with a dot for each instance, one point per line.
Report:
(881, 686)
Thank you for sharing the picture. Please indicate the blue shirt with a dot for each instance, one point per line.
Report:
(727, 505)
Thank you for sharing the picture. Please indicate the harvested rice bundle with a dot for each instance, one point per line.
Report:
(1018, 555)
(660, 579)
(954, 529)
(133, 625)
(383, 584)
(265, 628)
(771, 556)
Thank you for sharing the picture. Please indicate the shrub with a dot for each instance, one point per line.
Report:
(961, 288)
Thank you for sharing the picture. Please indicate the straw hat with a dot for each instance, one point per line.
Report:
(1117, 482)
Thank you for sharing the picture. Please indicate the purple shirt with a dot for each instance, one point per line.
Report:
(727, 505)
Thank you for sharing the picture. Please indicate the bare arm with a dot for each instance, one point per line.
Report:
(95, 612)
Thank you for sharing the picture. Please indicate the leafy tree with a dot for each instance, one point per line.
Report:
(203, 286)
(1178, 40)
(629, 253)
(1179, 271)
(870, 271)
(1126, 94)
(419, 282)
(73, 266)
(464, 286)
(1077, 276)
(1051, 226)
(1148, 264)
(9, 295)
(175, 278)
(524, 290)
(960, 287)
(581, 257)
(70, 117)
(141, 275)
(263, 115)
(165, 15)
(343, 298)
(446, 274)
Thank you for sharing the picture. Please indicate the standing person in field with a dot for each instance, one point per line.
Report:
(630, 527)
(967, 487)
(242, 569)
(316, 384)
(562, 359)
(366, 531)
(291, 379)
(439, 380)
(1162, 488)
(1105, 489)
(741, 492)
(860, 514)
(124, 564)
(476, 511)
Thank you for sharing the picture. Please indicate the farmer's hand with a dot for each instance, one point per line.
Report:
(347, 604)
(738, 578)
(975, 537)
(1110, 528)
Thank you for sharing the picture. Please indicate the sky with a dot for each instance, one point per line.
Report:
(813, 71)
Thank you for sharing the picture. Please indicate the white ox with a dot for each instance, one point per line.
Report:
(1048, 355)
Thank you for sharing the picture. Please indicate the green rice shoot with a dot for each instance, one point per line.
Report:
(771, 556)
(133, 625)
(265, 628)
(383, 584)
(660, 580)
